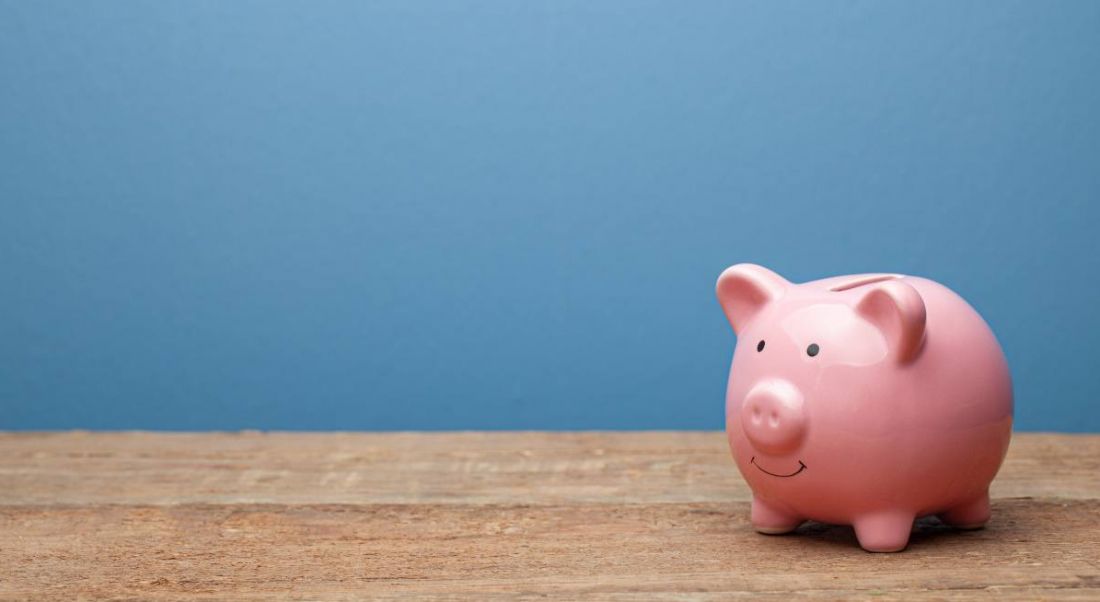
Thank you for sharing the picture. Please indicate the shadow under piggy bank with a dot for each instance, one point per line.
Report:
(929, 533)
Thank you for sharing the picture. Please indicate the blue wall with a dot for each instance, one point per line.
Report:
(437, 215)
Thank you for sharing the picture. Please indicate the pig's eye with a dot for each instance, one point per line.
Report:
(760, 346)
(812, 350)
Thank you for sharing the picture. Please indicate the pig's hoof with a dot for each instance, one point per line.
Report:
(969, 516)
(884, 532)
(770, 520)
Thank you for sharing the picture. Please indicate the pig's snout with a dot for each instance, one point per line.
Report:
(772, 417)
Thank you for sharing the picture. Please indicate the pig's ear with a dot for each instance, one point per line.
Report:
(897, 309)
(744, 289)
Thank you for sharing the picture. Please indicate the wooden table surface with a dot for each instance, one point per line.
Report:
(623, 516)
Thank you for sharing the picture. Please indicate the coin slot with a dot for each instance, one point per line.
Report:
(863, 281)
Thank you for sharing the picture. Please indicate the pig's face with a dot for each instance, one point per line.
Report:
(810, 361)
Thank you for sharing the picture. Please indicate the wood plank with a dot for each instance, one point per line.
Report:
(525, 468)
(590, 550)
(608, 516)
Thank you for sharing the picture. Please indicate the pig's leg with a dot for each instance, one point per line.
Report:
(771, 520)
(884, 531)
(971, 515)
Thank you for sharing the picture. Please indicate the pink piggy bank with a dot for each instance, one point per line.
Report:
(867, 400)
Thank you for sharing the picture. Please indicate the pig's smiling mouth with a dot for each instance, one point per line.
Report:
(801, 467)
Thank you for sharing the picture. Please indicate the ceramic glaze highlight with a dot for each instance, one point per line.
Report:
(867, 400)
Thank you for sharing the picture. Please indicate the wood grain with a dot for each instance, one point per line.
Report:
(616, 516)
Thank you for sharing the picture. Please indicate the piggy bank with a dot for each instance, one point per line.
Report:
(867, 400)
